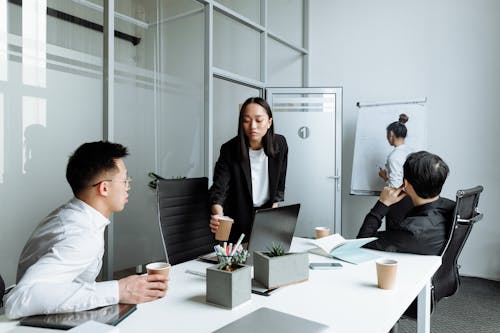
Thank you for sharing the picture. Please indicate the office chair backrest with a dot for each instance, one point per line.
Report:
(446, 279)
(184, 213)
(2, 291)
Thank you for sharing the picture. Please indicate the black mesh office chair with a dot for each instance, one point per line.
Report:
(184, 213)
(446, 280)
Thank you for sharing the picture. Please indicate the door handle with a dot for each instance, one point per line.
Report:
(337, 179)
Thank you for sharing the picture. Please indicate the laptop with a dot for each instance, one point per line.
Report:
(111, 315)
(270, 225)
(265, 320)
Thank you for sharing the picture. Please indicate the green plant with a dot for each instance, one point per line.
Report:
(276, 250)
(230, 263)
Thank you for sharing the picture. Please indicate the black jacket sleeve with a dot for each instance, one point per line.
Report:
(280, 193)
(373, 220)
(221, 178)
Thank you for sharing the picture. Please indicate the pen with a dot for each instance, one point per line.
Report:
(230, 249)
(238, 244)
(190, 271)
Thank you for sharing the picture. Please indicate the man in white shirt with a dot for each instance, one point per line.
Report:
(59, 263)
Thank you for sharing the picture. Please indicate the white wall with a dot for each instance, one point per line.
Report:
(400, 49)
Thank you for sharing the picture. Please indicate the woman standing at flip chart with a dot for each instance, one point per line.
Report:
(396, 134)
(251, 169)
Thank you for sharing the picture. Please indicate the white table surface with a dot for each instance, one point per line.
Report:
(345, 299)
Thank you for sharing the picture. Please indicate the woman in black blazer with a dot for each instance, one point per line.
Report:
(251, 170)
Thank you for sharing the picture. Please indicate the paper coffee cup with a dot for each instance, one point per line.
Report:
(386, 273)
(225, 224)
(322, 232)
(158, 268)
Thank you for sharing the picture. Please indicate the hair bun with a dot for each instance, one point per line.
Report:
(403, 118)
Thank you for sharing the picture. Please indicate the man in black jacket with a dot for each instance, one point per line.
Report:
(417, 218)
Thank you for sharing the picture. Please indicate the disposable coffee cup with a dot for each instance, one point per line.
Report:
(225, 224)
(386, 273)
(322, 232)
(158, 268)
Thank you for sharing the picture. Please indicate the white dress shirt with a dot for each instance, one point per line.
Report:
(59, 264)
(260, 176)
(394, 165)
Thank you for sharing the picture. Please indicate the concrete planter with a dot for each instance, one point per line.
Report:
(275, 272)
(229, 289)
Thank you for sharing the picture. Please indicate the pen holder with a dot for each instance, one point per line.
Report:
(228, 288)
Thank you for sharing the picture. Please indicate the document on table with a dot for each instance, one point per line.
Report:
(336, 246)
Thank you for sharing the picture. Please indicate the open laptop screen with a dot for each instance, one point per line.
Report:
(273, 225)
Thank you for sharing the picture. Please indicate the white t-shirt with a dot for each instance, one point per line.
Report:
(394, 165)
(260, 176)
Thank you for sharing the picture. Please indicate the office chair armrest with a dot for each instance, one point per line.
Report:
(474, 219)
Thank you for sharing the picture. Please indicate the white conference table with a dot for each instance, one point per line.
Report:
(345, 299)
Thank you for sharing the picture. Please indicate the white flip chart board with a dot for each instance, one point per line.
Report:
(371, 147)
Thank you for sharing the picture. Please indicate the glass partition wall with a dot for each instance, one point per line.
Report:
(50, 102)
(159, 112)
(180, 70)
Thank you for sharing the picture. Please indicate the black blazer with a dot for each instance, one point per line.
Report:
(232, 184)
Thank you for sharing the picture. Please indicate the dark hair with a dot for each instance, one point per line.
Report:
(398, 127)
(91, 160)
(267, 140)
(426, 172)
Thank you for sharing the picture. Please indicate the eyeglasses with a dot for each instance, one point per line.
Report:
(127, 182)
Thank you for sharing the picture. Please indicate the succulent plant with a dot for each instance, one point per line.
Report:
(276, 250)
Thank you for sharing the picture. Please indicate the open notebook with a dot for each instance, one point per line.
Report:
(337, 247)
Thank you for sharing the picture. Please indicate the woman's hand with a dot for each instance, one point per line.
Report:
(214, 218)
(382, 173)
(214, 223)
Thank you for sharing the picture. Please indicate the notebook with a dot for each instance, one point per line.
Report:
(111, 315)
(269, 225)
(265, 320)
(337, 247)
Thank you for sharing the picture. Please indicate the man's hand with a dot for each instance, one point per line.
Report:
(390, 195)
(137, 289)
